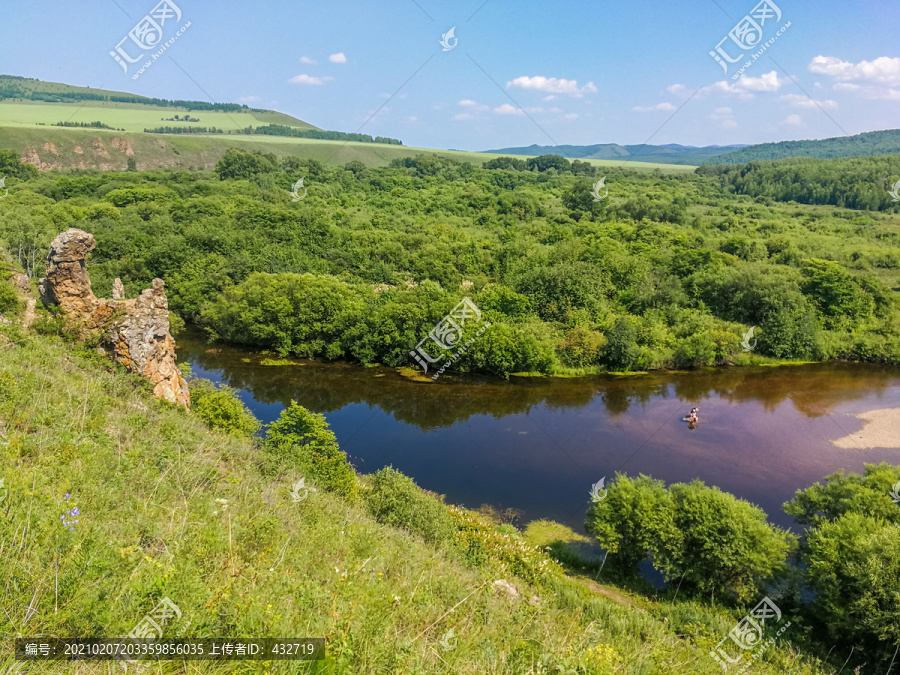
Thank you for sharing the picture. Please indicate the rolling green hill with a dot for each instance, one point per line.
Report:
(62, 148)
(871, 143)
(671, 153)
(29, 109)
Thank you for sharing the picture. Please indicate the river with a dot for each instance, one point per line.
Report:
(538, 444)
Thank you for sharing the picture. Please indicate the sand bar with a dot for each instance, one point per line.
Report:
(881, 429)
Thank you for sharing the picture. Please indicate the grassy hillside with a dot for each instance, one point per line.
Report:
(672, 153)
(58, 147)
(870, 143)
(169, 508)
(131, 116)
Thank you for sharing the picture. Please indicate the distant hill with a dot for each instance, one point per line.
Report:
(666, 154)
(870, 143)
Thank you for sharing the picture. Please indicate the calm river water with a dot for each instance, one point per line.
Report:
(537, 445)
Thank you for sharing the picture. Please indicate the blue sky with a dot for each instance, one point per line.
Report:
(519, 72)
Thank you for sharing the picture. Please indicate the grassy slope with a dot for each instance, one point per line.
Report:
(184, 152)
(132, 116)
(146, 478)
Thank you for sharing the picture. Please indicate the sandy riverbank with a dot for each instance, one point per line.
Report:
(881, 429)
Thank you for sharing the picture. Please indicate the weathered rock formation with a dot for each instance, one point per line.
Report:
(133, 332)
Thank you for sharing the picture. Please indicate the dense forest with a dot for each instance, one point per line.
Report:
(667, 271)
(885, 142)
(280, 130)
(861, 183)
(13, 87)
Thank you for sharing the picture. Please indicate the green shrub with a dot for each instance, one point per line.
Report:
(221, 408)
(303, 437)
(10, 303)
(396, 500)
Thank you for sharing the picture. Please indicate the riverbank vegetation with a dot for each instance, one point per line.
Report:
(666, 271)
(277, 535)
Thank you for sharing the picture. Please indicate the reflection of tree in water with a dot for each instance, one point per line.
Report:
(325, 388)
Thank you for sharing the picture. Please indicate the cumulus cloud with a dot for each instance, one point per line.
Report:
(883, 70)
(570, 117)
(248, 99)
(676, 89)
(308, 61)
(552, 85)
(745, 86)
(793, 119)
(309, 79)
(507, 109)
(799, 101)
(464, 116)
(338, 58)
(654, 108)
(878, 79)
(723, 111)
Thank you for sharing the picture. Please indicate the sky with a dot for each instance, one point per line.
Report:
(512, 73)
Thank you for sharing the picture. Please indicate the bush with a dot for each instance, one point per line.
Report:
(621, 349)
(396, 500)
(304, 438)
(10, 303)
(221, 408)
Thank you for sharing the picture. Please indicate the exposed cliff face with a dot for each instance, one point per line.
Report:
(133, 332)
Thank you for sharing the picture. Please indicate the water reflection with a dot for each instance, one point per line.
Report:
(538, 444)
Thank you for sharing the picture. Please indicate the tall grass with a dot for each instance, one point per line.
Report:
(169, 508)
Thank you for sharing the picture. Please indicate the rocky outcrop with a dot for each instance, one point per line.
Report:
(133, 332)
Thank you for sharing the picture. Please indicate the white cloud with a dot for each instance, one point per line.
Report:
(793, 119)
(799, 101)
(248, 99)
(412, 118)
(507, 109)
(729, 124)
(308, 61)
(653, 108)
(556, 110)
(883, 70)
(676, 89)
(464, 116)
(551, 97)
(768, 82)
(338, 58)
(745, 85)
(570, 116)
(722, 111)
(309, 79)
(552, 85)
